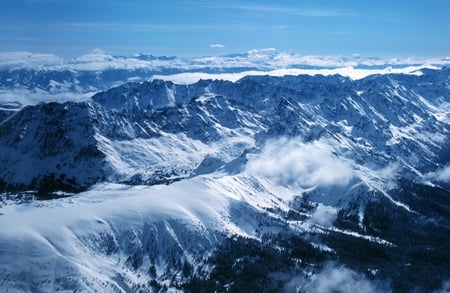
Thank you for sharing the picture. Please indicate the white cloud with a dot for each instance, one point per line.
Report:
(265, 61)
(294, 163)
(298, 12)
(442, 174)
(217, 46)
(281, 27)
(390, 172)
(324, 215)
(353, 73)
(28, 60)
(341, 279)
(33, 97)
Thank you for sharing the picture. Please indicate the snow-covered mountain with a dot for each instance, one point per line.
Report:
(32, 78)
(131, 131)
(305, 183)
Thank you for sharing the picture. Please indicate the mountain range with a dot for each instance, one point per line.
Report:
(32, 78)
(307, 183)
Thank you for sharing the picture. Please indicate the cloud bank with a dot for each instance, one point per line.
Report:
(294, 163)
(264, 60)
(353, 73)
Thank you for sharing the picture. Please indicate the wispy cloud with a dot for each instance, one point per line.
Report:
(442, 175)
(294, 163)
(281, 27)
(299, 12)
(342, 279)
(324, 215)
(137, 27)
(337, 278)
(217, 46)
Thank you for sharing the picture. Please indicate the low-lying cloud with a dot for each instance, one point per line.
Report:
(324, 215)
(335, 278)
(442, 175)
(292, 162)
(445, 288)
(266, 61)
(341, 279)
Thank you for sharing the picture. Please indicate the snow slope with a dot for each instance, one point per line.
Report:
(89, 241)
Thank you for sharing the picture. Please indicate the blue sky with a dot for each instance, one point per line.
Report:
(383, 28)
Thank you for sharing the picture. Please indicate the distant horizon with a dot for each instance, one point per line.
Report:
(150, 52)
(193, 28)
(261, 60)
